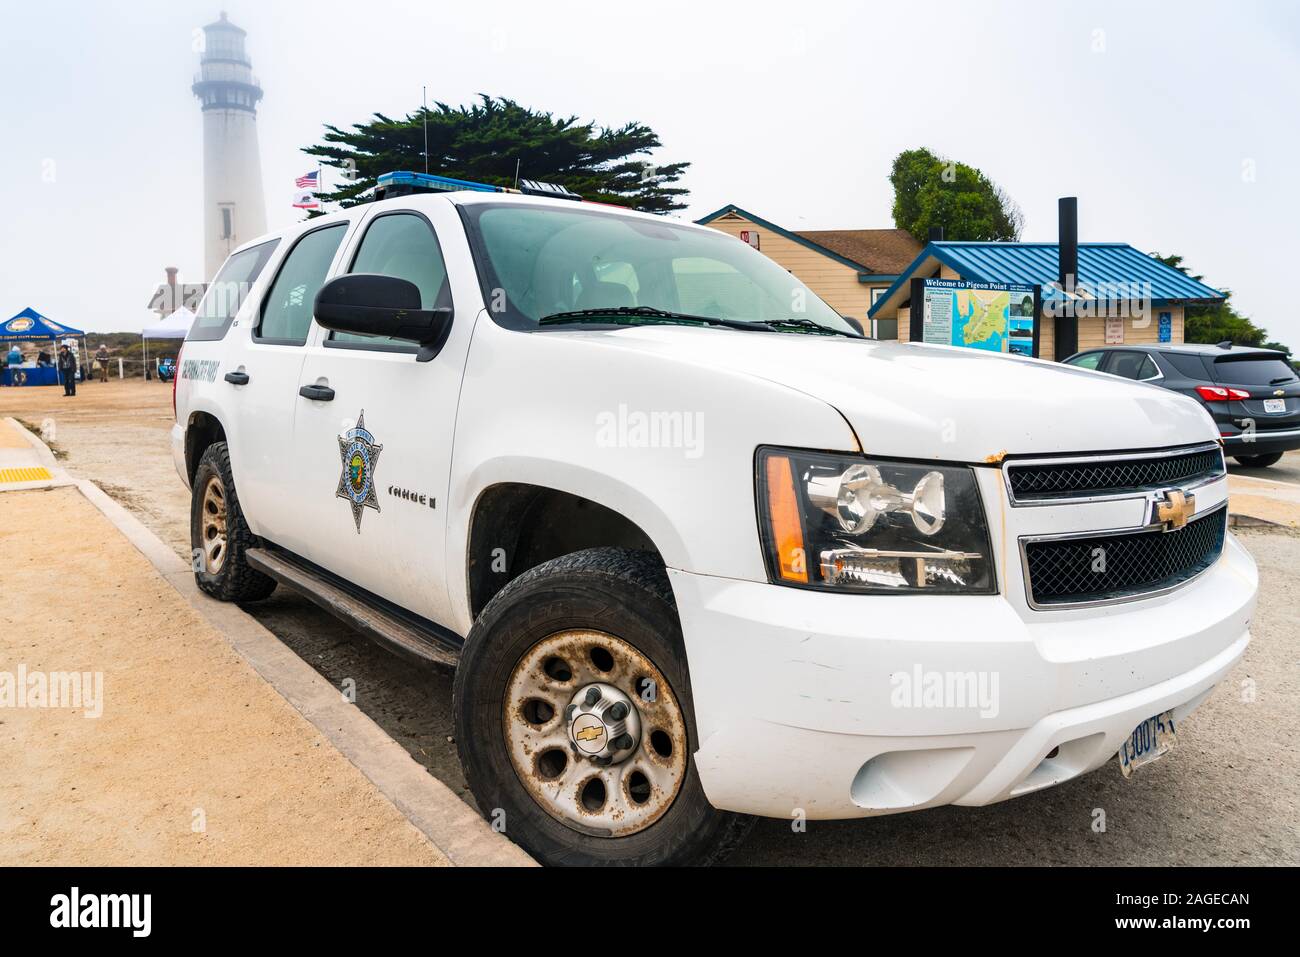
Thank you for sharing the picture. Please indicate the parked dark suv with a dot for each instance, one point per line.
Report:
(1253, 394)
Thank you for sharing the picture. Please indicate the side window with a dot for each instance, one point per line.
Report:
(228, 291)
(1089, 360)
(1126, 364)
(286, 313)
(1188, 364)
(401, 245)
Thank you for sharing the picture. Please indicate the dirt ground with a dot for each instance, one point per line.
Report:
(236, 775)
(1229, 794)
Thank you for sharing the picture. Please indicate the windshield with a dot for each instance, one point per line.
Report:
(536, 261)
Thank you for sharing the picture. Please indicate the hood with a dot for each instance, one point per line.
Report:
(940, 402)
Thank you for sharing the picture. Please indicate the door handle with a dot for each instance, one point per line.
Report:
(237, 378)
(321, 393)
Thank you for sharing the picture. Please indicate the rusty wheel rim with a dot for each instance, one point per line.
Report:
(212, 529)
(610, 800)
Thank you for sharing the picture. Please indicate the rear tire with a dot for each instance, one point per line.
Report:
(219, 536)
(607, 616)
(1258, 461)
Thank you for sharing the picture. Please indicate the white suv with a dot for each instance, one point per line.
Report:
(696, 549)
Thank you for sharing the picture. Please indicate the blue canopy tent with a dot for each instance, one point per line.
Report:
(30, 326)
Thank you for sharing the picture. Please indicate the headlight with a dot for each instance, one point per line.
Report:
(847, 523)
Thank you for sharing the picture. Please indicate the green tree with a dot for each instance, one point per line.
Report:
(488, 141)
(1219, 321)
(930, 190)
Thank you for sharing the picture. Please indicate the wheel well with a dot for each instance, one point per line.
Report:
(203, 430)
(516, 527)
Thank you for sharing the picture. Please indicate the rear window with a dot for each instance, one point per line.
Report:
(1256, 370)
(228, 291)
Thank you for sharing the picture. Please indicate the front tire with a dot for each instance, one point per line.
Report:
(574, 717)
(1258, 461)
(219, 536)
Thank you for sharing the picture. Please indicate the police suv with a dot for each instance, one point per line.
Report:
(696, 549)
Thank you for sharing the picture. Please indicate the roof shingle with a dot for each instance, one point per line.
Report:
(886, 251)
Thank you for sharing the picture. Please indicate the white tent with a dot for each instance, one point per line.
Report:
(175, 326)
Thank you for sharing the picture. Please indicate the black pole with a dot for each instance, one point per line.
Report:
(1038, 318)
(1067, 323)
(916, 317)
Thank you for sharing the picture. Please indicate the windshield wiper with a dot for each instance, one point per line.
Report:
(813, 327)
(1280, 379)
(636, 315)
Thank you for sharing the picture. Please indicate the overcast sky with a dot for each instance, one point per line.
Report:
(1174, 123)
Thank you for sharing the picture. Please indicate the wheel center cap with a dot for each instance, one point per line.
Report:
(604, 724)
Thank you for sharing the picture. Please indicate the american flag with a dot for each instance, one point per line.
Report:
(308, 181)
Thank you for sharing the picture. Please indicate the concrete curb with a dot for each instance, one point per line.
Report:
(1240, 520)
(455, 828)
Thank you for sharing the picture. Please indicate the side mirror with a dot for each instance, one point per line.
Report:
(375, 305)
(856, 324)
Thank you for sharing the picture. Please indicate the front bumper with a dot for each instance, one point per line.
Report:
(822, 703)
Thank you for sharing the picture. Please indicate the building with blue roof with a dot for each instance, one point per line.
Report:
(1123, 295)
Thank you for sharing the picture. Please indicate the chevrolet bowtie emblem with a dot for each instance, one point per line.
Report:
(1173, 508)
(590, 733)
(1279, 391)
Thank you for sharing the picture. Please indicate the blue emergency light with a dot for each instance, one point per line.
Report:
(405, 183)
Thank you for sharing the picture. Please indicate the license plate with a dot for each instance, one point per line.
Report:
(1275, 405)
(1149, 740)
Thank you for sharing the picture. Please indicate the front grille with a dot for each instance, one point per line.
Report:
(1120, 565)
(1050, 481)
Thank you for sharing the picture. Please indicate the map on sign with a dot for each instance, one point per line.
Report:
(997, 318)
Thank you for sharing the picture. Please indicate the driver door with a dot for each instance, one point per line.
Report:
(373, 432)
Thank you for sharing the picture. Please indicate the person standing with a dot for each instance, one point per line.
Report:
(101, 358)
(13, 360)
(68, 370)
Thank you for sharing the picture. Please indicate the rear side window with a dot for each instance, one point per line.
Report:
(401, 245)
(1258, 370)
(287, 310)
(1192, 366)
(227, 292)
(1132, 365)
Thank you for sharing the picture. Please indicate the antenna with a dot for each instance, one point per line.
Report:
(424, 111)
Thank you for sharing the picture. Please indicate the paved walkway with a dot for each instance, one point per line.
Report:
(134, 730)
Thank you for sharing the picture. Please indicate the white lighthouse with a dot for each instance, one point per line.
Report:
(234, 210)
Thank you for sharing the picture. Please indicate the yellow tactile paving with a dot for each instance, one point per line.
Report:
(35, 474)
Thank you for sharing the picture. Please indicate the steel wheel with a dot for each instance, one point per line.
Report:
(595, 733)
(213, 528)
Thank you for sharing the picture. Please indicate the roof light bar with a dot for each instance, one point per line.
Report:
(405, 183)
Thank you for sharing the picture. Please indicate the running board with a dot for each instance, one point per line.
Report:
(391, 630)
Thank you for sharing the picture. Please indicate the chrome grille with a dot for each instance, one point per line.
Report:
(1111, 475)
(1064, 571)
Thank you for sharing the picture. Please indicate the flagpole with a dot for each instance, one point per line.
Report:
(424, 113)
